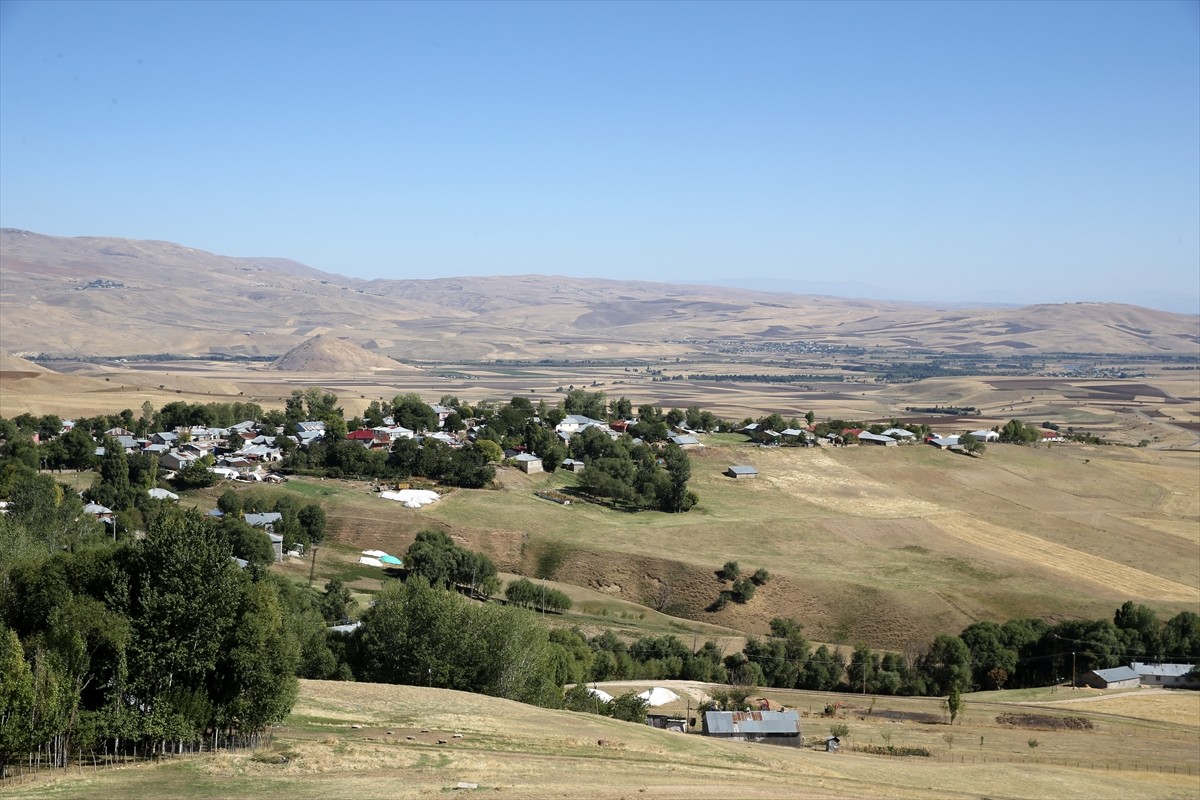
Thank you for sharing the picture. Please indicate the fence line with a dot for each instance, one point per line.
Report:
(21, 772)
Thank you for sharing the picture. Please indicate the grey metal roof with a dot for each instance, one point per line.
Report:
(268, 518)
(1116, 674)
(875, 437)
(753, 722)
(743, 470)
(1166, 670)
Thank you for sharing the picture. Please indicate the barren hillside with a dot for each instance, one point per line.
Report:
(98, 296)
(327, 354)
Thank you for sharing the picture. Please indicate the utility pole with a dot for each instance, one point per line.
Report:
(1072, 669)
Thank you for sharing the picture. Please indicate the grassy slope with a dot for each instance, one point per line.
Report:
(512, 750)
(884, 544)
(888, 546)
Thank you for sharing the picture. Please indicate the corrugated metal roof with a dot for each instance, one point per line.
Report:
(743, 470)
(1167, 670)
(1115, 674)
(753, 722)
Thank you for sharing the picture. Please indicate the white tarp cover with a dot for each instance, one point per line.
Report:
(370, 562)
(658, 696)
(603, 695)
(412, 498)
(162, 494)
(374, 553)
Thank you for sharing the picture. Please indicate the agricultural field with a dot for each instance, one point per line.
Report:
(351, 740)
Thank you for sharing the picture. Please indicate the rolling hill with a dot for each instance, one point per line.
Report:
(326, 354)
(92, 296)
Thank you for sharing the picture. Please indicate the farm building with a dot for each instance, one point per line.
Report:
(898, 433)
(667, 723)
(832, 744)
(739, 471)
(986, 436)
(875, 438)
(1171, 676)
(527, 462)
(772, 727)
(686, 441)
(573, 465)
(1114, 678)
(276, 546)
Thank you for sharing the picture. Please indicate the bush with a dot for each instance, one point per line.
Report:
(875, 749)
(840, 729)
(630, 708)
(760, 576)
(744, 589)
(731, 571)
(720, 603)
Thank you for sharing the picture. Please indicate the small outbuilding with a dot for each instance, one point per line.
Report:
(832, 744)
(528, 462)
(666, 722)
(740, 471)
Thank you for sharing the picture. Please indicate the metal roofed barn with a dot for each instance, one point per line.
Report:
(773, 727)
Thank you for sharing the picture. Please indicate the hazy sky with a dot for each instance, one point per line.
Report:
(1019, 151)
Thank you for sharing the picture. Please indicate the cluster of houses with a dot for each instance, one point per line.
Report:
(889, 438)
(178, 448)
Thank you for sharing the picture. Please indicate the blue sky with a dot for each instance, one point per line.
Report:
(1013, 152)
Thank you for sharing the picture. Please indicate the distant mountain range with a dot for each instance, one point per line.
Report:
(92, 296)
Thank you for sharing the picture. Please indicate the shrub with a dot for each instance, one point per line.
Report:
(743, 590)
(731, 571)
(760, 576)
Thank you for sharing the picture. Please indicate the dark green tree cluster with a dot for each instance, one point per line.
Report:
(1017, 432)
(467, 467)
(654, 658)
(527, 594)
(630, 475)
(421, 635)
(147, 645)
(210, 415)
(434, 556)
(627, 707)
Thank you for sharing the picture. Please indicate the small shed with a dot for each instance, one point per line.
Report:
(686, 441)
(528, 462)
(666, 722)
(573, 465)
(1114, 678)
(276, 546)
(740, 471)
(832, 744)
(771, 727)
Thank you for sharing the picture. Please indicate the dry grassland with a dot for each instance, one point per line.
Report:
(890, 546)
(516, 751)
